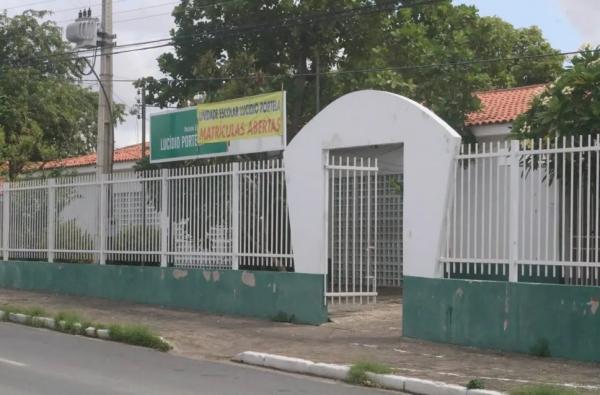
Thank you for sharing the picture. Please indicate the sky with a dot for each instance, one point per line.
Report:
(567, 24)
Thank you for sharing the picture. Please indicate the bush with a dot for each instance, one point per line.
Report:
(136, 238)
(475, 384)
(137, 335)
(358, 372)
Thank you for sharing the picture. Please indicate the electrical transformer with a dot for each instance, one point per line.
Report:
(83, 32)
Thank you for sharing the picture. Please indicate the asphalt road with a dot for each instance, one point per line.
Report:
(37, 361)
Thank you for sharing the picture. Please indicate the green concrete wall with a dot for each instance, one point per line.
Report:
(296, 297)
(518, 317)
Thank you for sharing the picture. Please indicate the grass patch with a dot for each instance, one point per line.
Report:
(358, 372)
(71, 322)
(544, 390)
(475, 384)
(32, 311)
(67, 316)
(137, 335)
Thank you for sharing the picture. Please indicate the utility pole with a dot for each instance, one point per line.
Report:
(105, 144)
(87, 33)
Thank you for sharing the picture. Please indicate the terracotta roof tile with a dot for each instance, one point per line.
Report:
(503, 105)
(125, 154)
(497, 106)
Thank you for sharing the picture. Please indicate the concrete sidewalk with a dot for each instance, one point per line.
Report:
(356, 333)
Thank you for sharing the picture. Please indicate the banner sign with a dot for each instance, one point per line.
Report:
(175, 135)
(245, 118)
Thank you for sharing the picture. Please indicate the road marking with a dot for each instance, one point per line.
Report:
(13, 363)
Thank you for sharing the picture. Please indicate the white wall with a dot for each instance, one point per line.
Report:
(368, 118)
(494, 132)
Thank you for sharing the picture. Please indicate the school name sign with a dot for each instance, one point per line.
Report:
(241, 126)
(245, 118)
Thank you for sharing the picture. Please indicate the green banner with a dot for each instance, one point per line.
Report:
(173, 137)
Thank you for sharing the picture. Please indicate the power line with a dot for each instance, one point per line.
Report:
(79, 8)
(369, 70)
(301, 20)
(29, 4)
(142, 17)
(388, 6)
(125, 11)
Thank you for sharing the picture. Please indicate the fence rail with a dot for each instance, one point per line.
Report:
(526, 211)
(225, 216)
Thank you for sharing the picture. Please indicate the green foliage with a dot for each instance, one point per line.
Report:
(358, 372)
(475, 384)
(569, 106)
(544, 390)
(137, 335)
(392, 44)
(70, 236)
(67, 316)
(32, 311)
(44, 113)
(137, 238)
(541, 348)
(73, 323)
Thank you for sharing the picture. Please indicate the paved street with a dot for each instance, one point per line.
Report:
(37, 361)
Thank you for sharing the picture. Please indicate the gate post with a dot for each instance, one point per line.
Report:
(235, 215)
(51, 220)
(164, 217)
(5, 219)
(328, 241)
(513, 220)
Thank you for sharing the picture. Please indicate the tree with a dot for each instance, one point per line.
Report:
(436, 54)
(357, 45)
(567, 115)
(569, 106)
(217, 46)
(44, 113)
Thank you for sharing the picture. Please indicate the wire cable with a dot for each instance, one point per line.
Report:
(368, 70)
(302, 20)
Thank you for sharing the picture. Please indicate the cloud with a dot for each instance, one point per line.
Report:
(584, 16)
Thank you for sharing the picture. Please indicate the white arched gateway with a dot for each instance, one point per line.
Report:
(397, 131)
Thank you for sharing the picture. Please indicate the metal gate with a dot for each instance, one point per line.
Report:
(352, 230)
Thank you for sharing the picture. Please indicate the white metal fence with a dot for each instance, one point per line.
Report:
(352, 230)
(526, 211)
(225, 216)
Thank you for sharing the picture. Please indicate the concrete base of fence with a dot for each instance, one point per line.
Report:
(522, 317)
(293, 297)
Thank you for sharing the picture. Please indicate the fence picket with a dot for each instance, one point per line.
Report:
(543, 214)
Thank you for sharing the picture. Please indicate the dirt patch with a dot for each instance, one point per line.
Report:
(356, 333)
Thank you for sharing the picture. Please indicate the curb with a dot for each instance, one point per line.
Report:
(74, 328)
(49, 323)
(340, 372)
